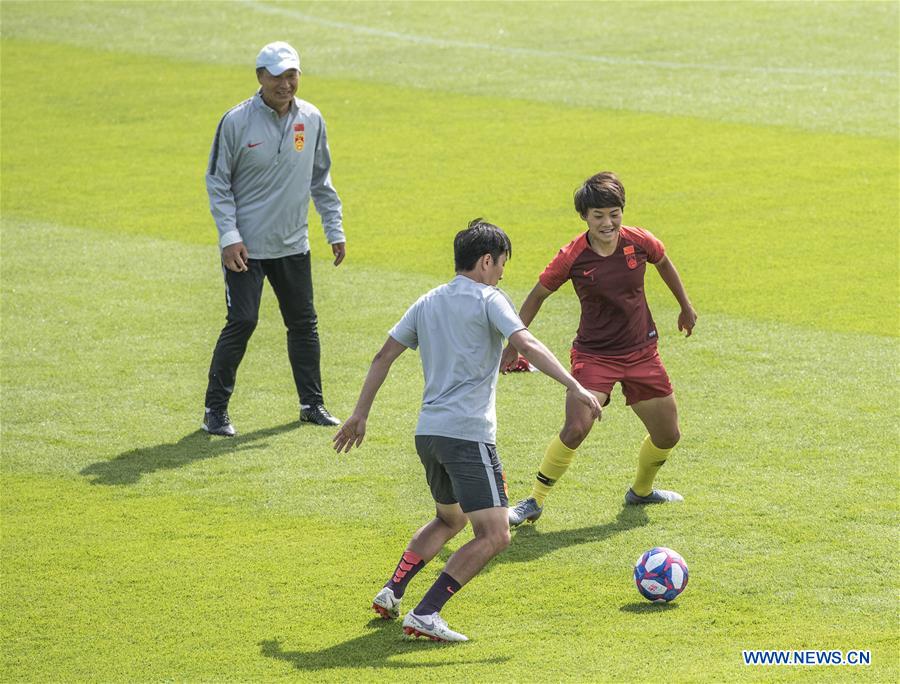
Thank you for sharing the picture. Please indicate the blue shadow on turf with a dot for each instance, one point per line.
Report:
(529, 542)
(127, 468)
(369, 651)
(644, 607)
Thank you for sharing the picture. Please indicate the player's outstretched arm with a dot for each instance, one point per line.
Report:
(687, 318)
(353, 430)
(527, 313)
(537, 354)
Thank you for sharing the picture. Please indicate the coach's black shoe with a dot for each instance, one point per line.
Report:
(655, 496)
(318, 415)
(217, 422)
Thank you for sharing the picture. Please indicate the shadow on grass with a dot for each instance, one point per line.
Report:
(127, 468)
(373, 650)
(529, 542)
(648, 608)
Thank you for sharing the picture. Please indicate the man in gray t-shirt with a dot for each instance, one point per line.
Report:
(458, 329)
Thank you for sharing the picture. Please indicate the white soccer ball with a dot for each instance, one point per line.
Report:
(660, 574)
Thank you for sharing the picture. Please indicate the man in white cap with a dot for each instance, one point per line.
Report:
(269, 156)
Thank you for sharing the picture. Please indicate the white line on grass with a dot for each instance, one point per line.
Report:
(554, 54)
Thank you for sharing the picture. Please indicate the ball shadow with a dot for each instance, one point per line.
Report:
(643, 608)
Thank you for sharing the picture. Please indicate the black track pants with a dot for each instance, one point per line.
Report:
(291, 279)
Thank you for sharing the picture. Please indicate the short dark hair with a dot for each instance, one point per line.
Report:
(478, 239)
(600, 191)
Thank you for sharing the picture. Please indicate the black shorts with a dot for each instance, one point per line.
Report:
(464, 472)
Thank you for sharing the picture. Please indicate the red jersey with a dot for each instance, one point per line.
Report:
(615, 318)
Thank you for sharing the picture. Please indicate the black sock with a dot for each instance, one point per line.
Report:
(441, 592)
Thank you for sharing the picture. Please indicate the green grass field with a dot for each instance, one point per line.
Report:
(757, 140)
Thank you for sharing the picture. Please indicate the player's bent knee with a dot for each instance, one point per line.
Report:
(452, 517)
(573, 434)
(454, 522)
(500, 540)
(496, 536)
(507, 538)
(667, 440)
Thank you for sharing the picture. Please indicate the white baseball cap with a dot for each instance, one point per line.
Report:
(277, 58)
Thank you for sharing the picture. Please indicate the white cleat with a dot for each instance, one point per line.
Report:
(432, 626)
(386, 604)
(654, 497)
(527, 510)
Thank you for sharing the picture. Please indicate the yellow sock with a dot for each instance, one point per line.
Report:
(556, 461)
(650, 460)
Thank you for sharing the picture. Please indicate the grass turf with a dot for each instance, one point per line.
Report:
(252, 557)
(769, 217)
(134, 547)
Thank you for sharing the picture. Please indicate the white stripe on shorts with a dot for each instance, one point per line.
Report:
(489, 467)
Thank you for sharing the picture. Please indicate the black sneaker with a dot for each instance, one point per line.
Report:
(217, 422)
(317, 415)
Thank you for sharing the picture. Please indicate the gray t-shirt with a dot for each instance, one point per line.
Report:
(459, 329)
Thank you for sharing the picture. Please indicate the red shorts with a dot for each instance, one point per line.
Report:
(641, 374)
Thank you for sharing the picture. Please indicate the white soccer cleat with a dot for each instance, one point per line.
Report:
(654, 497)
(526, 510)
(386, 604)
(432, 626)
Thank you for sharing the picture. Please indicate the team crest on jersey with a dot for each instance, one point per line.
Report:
(630, 259)
(299, 136)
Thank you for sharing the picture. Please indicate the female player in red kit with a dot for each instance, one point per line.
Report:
(616, 340)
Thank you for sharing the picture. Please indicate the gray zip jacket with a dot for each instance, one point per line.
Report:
(263, 170)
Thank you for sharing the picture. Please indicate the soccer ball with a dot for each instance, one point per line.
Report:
(660, 574)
